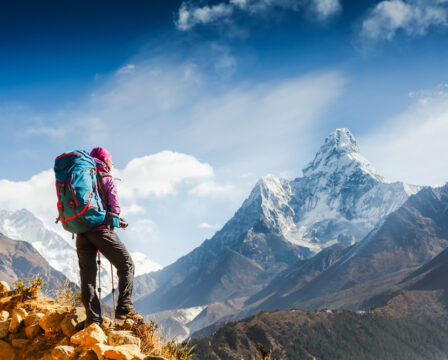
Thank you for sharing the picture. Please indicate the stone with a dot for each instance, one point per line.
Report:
(4, 315)
(155, 357)
(128, 324)
(32, 319)
(87, 354)
(120, 352)
(20, 343)
(4, 329)
(4, 287)
(6, 351)
(91, 335)
(107, 323)
(33, 331)
(72, 320)
(18, 315)
(62, 352)
(122, 338)
(51, 322)
(65, 341)
(124, 352)
(99, 350)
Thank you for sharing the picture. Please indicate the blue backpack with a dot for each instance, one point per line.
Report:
(79, 204)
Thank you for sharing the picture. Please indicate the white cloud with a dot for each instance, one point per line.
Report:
(210, 188)
(414, 17)
(208, 226)
(159, 174)
(126, 69)
(412, 146)
(37, 194)
(191, 14)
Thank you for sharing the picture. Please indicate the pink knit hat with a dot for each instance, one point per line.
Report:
(101, 154)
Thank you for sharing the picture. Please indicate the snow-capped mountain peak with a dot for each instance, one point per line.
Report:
(340, 154)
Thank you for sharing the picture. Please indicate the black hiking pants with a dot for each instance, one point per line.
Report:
(109, 244)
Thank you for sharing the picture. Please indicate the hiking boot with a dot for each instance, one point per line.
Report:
(129, 314)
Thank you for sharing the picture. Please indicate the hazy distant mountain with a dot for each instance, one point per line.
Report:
(60, 254)
(339, 200)
(19, 259)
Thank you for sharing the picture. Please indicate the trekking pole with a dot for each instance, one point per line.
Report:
(113, 288)
(99, 276)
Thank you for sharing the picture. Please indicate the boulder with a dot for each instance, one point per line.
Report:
(62, 352)
(18, 315)
(72, 320)
(90, 336)
(51, 322)
(120, 352)
(32, 319)
(4, 315)
(4, 329)
(122, 338)
(20, 343)
(33, 331)
(6, 351)
(4, 287)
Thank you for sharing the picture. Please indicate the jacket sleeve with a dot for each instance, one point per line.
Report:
(112, 194)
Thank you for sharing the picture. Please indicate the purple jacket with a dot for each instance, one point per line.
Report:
(110, 197)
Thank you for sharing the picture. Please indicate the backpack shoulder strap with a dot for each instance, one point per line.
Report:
(100, 175)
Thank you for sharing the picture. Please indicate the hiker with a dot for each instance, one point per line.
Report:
(104, 239)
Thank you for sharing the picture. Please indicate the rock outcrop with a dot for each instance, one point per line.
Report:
(40, 328)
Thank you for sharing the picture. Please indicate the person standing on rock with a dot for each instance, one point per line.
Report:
(104, 239)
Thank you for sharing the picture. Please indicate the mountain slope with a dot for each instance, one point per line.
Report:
(339, 199)
(19, 259)
(408, 238)
(412, 325)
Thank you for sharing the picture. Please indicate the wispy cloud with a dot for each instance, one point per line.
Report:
(191, 13)
(412, 146)
(208, 226)
(413, 17)
(211, 189)
(126, 69)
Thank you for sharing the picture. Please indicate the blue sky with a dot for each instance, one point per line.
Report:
(196, 100)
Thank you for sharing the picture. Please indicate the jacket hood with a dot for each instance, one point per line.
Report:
(101, 165)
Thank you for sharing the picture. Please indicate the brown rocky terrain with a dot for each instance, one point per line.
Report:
(37, 327)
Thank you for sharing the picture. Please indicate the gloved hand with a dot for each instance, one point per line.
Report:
(123, 224)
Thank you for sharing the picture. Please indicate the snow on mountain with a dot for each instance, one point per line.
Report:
(60, 254)
(173, 323)
(142, 264)
(23, 225)
(339, 199)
